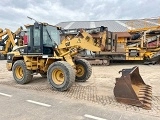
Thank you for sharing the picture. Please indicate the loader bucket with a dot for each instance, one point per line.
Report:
(131, 89)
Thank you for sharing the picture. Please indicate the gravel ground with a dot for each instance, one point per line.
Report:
(99, 88)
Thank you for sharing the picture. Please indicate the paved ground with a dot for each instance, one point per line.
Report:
(98, 90)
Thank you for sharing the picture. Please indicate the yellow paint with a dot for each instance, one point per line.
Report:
(58, 76)
(19, 72)
(80, 70)
(121, 40)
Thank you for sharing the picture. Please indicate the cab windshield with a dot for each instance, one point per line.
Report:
(51, 35)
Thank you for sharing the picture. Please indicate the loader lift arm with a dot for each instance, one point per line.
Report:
(85, 41)
(70, 47)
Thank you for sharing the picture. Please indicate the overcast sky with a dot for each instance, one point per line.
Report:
(13, 13)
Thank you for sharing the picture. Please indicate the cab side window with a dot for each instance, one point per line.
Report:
(36, 37)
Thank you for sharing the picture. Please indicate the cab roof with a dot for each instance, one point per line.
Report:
(45, 24)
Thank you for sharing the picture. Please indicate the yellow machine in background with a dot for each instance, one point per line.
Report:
(7, 40)
(137, 45)
(147, 43)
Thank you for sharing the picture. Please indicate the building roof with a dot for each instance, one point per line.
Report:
(113, 25)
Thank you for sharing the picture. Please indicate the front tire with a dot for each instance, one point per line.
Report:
(20, 72)
(84, 70)
(61, 75)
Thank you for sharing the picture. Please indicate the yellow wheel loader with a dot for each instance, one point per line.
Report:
(52, 57)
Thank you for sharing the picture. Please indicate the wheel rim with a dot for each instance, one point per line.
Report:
(19, 72)
(80, 70)
(58, 76)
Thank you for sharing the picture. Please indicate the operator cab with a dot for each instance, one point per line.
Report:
(42, 39)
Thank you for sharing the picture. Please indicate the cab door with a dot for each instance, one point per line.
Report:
(37, 40)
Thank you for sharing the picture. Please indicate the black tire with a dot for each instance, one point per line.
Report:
(20, 72)
(44, 75)
(84, 70)
(63, 74)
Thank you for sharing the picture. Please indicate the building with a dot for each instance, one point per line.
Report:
(113, 25)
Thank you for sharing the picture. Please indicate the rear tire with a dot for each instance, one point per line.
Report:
(84, 70)
(20, 72)
(61, 75)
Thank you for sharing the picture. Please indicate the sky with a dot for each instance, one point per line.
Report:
(13, 13)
